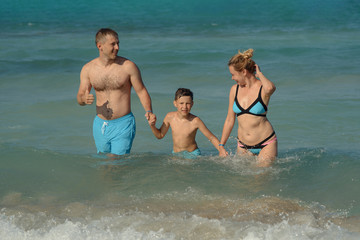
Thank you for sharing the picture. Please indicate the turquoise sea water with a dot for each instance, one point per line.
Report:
(54, 186)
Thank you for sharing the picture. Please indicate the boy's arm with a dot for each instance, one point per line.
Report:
(159, 133)
(207, 133)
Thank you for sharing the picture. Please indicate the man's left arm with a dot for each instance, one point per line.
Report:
(140, 89)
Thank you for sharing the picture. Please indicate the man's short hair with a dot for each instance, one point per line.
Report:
(103, 32)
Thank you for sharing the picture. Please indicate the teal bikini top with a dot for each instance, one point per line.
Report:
(257, 108)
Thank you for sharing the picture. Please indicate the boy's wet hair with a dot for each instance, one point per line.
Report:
(181, 92)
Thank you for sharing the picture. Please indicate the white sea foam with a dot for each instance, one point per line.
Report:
(174, 215)
(138, 225)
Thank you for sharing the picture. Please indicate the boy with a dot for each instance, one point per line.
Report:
(184, 126)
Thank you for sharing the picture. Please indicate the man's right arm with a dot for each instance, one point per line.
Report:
(83, 96)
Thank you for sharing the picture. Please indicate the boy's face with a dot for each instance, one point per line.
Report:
(184, 105)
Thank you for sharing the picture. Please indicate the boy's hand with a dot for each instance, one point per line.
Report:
(148, 114)
(152, 119)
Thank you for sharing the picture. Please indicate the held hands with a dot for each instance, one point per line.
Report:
(223, 152)
(88, 97)
(151, 118)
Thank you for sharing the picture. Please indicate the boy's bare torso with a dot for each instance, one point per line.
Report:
(183, 131)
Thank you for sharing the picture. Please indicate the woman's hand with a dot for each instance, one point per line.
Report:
(223, 152)
(257, 70)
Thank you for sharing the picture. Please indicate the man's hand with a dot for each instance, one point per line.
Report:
(88, 97)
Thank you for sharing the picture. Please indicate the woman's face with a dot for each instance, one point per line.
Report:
(235, 75)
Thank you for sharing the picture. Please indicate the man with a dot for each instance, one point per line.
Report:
(112, 77)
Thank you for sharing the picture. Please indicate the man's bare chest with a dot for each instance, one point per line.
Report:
(109, 80)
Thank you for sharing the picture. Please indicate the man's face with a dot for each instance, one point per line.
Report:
(109, 47)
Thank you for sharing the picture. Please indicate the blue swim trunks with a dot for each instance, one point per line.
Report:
(189, 155)
(114, 136)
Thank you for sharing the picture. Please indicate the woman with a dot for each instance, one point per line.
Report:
(248, 101)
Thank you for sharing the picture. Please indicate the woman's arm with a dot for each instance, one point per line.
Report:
(268, 86)
(229, 123)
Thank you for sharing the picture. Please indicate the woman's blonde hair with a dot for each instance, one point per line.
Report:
(242, 60)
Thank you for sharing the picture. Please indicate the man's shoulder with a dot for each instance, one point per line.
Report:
(124, 61)
(126, 64)
(90, 63)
